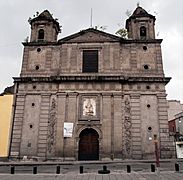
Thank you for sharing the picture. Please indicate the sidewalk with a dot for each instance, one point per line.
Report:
(69, 170)
(92, 176)
(59, 162)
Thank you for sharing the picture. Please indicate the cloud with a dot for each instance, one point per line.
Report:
(74, 15)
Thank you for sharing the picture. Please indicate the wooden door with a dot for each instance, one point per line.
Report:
(88, 145)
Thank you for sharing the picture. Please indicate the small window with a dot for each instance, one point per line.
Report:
(37, 68)
(148, 87)
(143, 32)
(41, 34)
(149, 128)
(146, 67)
(38, 50)
(90, 61)
(144, 48)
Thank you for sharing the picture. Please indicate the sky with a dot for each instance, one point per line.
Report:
(75, 15)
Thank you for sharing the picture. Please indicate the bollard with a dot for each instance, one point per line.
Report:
(152, 168)
(81, 169)
(58, 169)
(12, 169)
(128, 169)
(104, 170)
(35, 170)
(176, 167)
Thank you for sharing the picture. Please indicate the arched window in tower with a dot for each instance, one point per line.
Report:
(143, 32)
(41, 34)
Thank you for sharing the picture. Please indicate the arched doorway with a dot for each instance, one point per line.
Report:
(88, 145)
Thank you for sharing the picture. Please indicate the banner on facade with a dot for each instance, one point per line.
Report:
(68, 129)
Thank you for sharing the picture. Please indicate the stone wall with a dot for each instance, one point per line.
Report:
(127, 119)
(114, 58)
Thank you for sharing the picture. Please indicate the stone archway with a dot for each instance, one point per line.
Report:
(88, 145)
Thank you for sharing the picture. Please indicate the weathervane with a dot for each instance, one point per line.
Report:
(138, 4)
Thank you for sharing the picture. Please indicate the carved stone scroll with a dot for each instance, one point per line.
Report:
(51, 126)
(127, 127)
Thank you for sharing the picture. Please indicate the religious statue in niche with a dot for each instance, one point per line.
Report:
(89, 107)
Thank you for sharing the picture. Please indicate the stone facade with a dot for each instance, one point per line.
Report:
(119, 108)
(174, 107)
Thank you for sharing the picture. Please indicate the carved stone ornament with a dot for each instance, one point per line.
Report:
(127, 126)
(89, 107)
(51, 126)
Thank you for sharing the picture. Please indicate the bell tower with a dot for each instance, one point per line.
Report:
(44, 28)
(140, 25)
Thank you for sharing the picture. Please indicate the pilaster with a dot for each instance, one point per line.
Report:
(166, 143)
(43, 127)
(17, 125)
(71, 117)
(59, 146)
(117, 129)
(136, 126)
(107, 122)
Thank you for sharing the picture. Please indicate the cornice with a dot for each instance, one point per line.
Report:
(93, 78)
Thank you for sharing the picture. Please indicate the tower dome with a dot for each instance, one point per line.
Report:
(44, 28)
(140, 25)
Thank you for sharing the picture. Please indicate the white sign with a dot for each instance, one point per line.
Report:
(179, 149)
(68, 129)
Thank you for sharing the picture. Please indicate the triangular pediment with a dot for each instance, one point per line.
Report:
(90, 35)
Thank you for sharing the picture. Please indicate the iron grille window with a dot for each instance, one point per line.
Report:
(143, 32)
(41, 34)
(90, 61)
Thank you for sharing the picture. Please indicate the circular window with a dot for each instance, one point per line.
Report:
(146, 67)
(149, 128)
(38, 50)
(148, 87)
(37, 67)
(144, 48)
(31, 126)
(148, 105)
(34, 87)
(33, 104)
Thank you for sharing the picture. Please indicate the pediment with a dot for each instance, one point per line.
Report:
(90, 35)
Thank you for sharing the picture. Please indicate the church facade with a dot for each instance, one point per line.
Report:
(91, 95)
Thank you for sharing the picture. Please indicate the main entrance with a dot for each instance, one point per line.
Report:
(88, 145)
